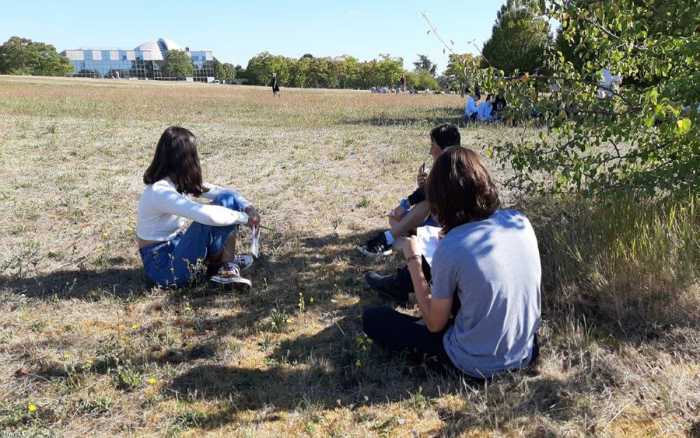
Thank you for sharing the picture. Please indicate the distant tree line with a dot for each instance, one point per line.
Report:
(22, 56)
(518, 43)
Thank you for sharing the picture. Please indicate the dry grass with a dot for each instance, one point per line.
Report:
(87, 349)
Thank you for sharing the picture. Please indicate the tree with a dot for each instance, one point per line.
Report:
(240, 72)
(389, 70)
(425, 64)
(641, 138)
(24, 56)
(340, 72)
(421, 80)
(461, 71)
(224, 72)
(178, 64)
(519, 38)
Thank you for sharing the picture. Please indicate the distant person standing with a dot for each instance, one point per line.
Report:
(402, 83)
(275, 85)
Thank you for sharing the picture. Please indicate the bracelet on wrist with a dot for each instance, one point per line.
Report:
(413, 257)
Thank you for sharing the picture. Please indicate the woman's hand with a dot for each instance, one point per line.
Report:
(397, 213)
(422, 176)
(253, 217)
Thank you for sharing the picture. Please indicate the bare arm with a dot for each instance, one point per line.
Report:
(412, 220)
(435, 312)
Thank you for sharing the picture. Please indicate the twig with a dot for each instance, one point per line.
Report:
(342, 332)
(434, 30)
(617, 415)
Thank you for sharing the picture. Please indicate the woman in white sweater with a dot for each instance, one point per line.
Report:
(172, 254)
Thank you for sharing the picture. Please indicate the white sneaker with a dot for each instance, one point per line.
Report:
(244, 261)
(230, 274)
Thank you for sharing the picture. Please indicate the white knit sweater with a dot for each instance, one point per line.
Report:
(163, 212)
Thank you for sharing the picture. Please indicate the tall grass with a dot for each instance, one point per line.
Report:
(633, 262)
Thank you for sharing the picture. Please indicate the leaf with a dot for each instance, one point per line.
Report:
(683, 126)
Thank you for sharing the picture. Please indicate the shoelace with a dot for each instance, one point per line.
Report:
(231, 269)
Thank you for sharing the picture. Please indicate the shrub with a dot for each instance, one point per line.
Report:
(627, 261)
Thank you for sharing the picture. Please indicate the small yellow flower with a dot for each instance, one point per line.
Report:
(31, 407)
(135, 327)
(151, 381)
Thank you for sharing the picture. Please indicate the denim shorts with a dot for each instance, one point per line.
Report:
(179, 261)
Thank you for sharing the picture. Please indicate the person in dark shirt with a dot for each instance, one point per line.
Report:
(499, 105)
(275, 85)
(412, 212)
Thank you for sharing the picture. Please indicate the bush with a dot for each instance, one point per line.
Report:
(622, 260)
(422, 80)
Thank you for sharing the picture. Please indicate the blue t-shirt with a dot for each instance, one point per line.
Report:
(485, 109)
(470, 108)
(494, 267)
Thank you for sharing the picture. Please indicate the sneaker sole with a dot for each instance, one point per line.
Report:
(235, 282)
(368, 253)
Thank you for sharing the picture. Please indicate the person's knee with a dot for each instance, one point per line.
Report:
(372, 320)
(226, 200)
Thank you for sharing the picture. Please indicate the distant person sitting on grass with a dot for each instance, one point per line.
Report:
(471, 109)
(413, 210)
(488, 259)
(172, 255)
(499, 107)
(485, 110)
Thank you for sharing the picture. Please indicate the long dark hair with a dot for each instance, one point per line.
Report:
(460, 189)
(176, 157)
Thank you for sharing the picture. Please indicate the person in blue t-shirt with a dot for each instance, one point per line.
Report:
(485, 109)
(471, 109)
(488, 260)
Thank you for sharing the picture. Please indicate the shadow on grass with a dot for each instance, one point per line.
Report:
(321, 371)
(314, 270)
(332, 369)
(429, 117)
(120, 283)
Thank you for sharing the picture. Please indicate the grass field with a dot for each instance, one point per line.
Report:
(86, 348)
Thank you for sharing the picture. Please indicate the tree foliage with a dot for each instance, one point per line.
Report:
(461, 71)
(224, 71)
(424, 64)
(23, 56)
(642, 137)
(421, 80)
(178, 64)
(519, 38)
(339, 72)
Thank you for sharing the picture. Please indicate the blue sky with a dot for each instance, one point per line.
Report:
(236, 31)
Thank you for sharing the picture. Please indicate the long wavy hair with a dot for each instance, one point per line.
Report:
(460, 189)
(176, 158)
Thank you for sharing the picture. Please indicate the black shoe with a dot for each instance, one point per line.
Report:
(376, 246)
(387, 286)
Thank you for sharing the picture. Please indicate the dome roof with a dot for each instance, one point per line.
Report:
(166, 44)
(151, 51)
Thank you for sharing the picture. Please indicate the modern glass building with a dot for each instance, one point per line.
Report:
(144, 62)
